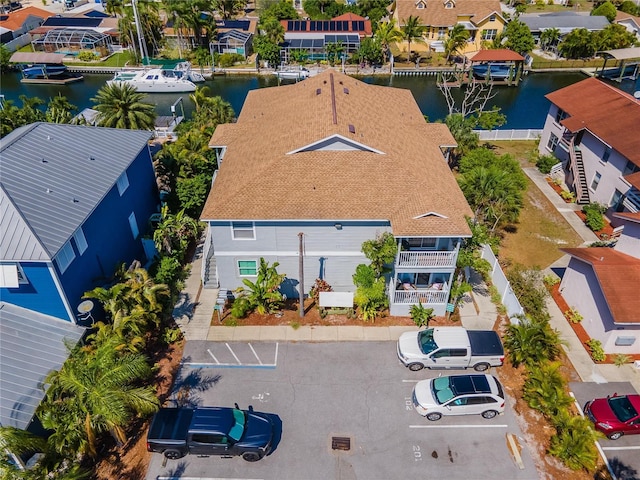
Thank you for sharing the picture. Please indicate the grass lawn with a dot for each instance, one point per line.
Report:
(536, 239)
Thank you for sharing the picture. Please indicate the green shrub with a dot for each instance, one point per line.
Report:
(544, 389)
(421, 316)
(574, 444)
(551, 280)
(172, 335)
(227, 60)
(620, 359)
(545, 162)
(528, 287)
(567, 195)
(168, 270)
(573, 315)
(88, 56)
(595, 220)
(531, 342)
(597, 352)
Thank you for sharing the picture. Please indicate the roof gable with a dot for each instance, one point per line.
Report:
(17, 240)
(15, 20)
(610, 266)
(607, 112)
(335, 143)
(56, 174)
(437, 14)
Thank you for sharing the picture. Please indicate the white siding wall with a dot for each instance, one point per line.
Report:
(629, 241)
(329, 252)
(550, 126)
(579, 278)
(611, 171)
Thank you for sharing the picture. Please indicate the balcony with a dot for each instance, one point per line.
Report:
(425, 296)
(421, 259)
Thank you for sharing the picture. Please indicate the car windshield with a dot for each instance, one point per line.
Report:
(622, 408)
(238, 427)
(426, 342)
(440, 387)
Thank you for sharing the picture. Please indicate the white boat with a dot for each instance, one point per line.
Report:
(295, 74)
(155, 80)
(189, 73)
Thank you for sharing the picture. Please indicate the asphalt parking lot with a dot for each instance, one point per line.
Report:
(323, 390)
(623, 454)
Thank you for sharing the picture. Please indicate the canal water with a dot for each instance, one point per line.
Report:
(524, 106)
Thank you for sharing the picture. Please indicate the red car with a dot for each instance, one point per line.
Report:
(616, 415)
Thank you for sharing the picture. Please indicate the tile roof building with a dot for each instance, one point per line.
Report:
(481, 18)
(318, 157)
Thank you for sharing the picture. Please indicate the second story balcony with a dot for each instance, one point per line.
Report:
(426, 259)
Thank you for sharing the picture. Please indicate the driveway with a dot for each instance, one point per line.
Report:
(623, 454)
(345, 395)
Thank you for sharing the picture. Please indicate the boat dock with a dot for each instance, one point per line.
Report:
(53, 81)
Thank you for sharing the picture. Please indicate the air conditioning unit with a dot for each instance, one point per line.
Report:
(636, 363)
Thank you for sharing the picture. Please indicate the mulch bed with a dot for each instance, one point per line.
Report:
(605, 233)
(582, 334)
(558, 189)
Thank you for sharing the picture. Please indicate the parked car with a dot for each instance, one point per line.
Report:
(450, 347)
(228, 432)
(459, 395)
(616, 415)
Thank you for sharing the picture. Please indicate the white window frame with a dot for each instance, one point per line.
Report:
(247, 260)
(560, 115)
(597, 177)
(22, 278)
(489, 34)
(122, 183)
(422, 240)
(553, 142)
(243, 227)
(65, 256)
(133, 224)
(81, 241)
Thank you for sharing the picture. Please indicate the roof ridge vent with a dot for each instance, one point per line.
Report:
(318, 91)
(345, 90)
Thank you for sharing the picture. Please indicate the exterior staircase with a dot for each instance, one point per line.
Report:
(579, 178)
(210, 276)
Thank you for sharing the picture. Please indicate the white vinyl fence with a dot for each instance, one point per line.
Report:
(494, 135)
(508, 298)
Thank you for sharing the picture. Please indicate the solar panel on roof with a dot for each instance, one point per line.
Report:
(361, 26)
(339, 26)
(290, 25)
(72, 22)
(325, 26)
(332, 26)
(312, 25)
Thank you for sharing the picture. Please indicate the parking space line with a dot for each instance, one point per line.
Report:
(621, 448)
(233, 353)
(410, 381)
(275, 360)
(228, 365)
(255, 354)
(212, 355)
(204, 478)
(459, 426)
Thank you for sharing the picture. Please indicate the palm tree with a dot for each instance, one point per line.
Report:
(386, 34)
(531, 342)
(121, 106)
(412, 31)
(544, 389)
(175, 232)
(19, 442)
(59, 110)
(95, 393)
(549, 38)
(457, 39)
(575, 445)
(230, 8)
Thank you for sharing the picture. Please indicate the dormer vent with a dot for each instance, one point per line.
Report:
(352, 129)
(44, 160)
(345, 90)
(318, 91)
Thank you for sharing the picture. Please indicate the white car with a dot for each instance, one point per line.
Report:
(459, 395)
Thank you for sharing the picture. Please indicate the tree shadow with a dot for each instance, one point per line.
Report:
(621, 470)
(186, 390)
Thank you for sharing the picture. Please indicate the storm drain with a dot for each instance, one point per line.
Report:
(341, 443)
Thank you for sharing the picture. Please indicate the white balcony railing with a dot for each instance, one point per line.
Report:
(427, 259)
(424, 296)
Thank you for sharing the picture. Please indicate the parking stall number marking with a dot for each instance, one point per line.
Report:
(417, 453)
(408, 403)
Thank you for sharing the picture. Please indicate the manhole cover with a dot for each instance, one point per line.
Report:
(340, 443)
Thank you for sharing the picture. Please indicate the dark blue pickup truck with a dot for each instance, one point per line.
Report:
(222, 431)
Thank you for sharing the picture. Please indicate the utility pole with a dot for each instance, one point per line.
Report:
(301, 273)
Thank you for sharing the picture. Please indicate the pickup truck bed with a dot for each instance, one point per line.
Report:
(485, 343)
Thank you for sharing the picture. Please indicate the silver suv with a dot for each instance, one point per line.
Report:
(459, 395)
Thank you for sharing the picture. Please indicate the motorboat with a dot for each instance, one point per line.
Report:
(43, 70)
(155, 80)
(493, 71)
(293, 73)
(188, 72)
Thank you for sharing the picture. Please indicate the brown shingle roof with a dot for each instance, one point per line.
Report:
(436, 15)
(16, 19)
(618, 275)
(260, 178)
(609, 113)
(497, 55)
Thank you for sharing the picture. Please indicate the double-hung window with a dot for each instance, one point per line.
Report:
(247, 268)
(489, 34)
(596, 181)
(243, 231)
(133, 223)
(122, 183)
(553, 142)
(65, 256)
(81, 241)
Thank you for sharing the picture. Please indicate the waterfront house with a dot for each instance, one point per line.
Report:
(75, 202)
(564, 22)
(602, 285)
(313, 35)
(630, 22)
(482, 19)
(328, 163)
(234, 36)
(592, 129)
(15, 26)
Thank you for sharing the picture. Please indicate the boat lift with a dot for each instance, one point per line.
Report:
(628, 67)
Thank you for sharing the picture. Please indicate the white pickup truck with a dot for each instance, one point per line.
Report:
(450, 347)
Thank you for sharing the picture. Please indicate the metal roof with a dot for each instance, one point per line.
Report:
(563, 21)
(56, 174)
(31, 345)
(622, 53)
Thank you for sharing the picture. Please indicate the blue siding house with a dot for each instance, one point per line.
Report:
(75, 202)
(335, 162)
